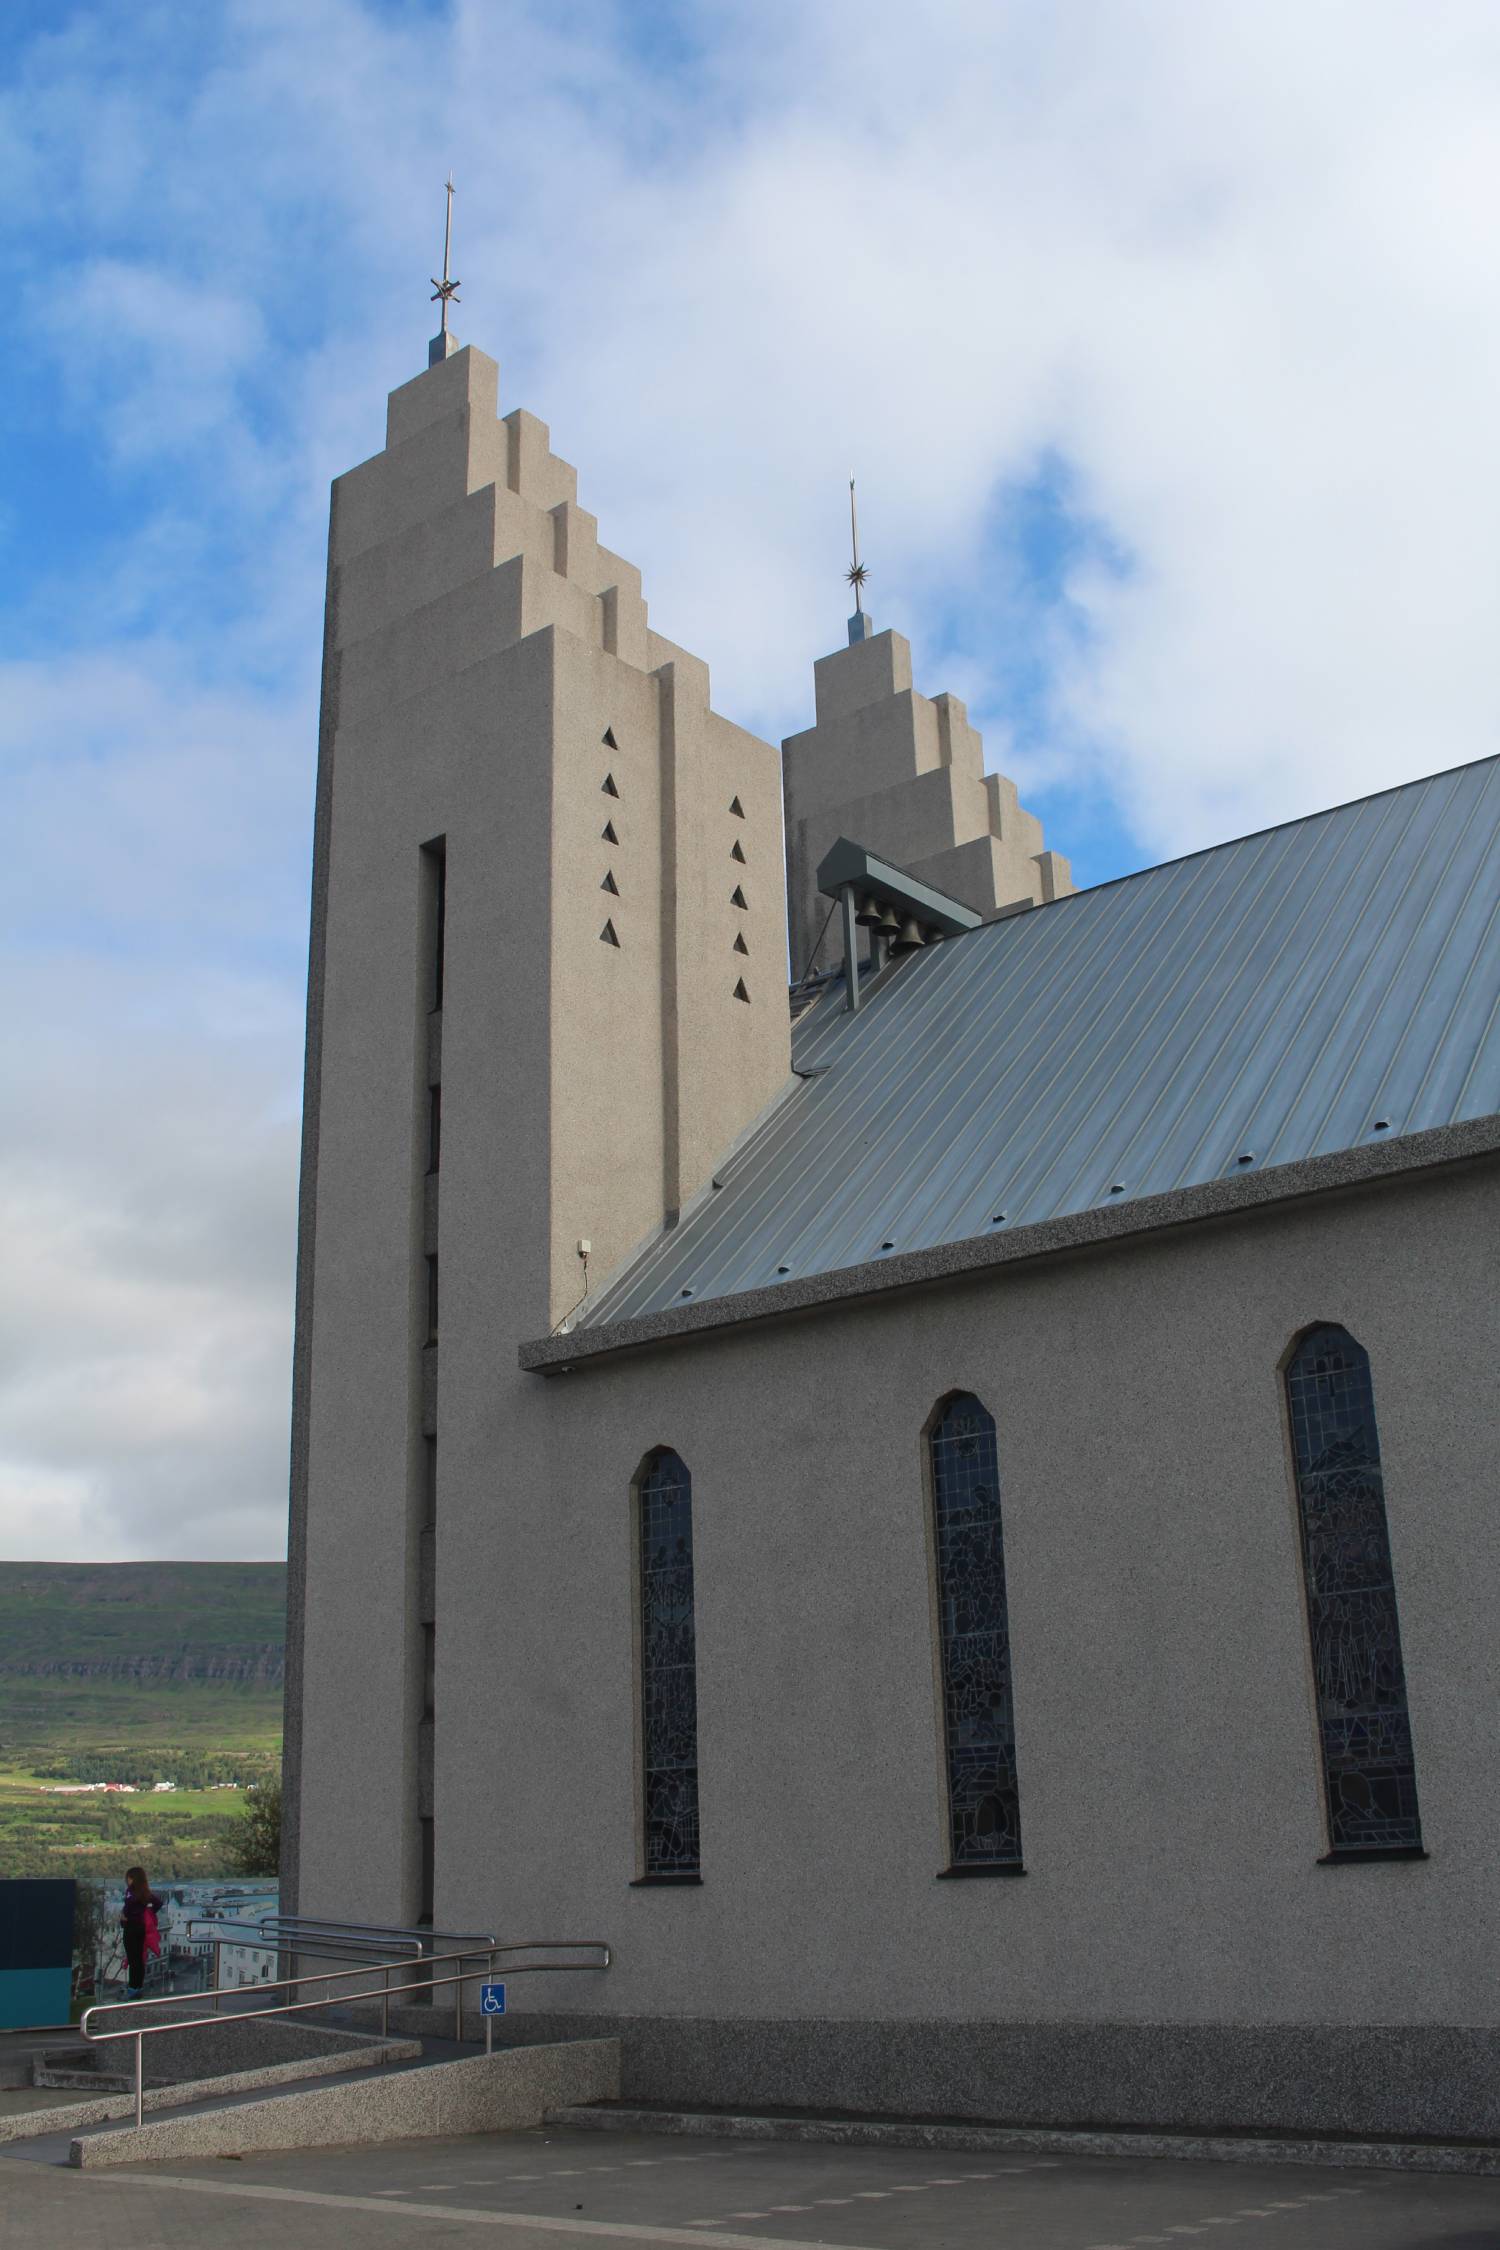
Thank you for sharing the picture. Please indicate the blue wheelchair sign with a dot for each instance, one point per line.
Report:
(492, 1999)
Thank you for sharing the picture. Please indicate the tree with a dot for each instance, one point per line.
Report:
(90, 1922)
(257, 1850)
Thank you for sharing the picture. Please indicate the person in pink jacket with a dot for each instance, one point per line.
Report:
(138, 1922)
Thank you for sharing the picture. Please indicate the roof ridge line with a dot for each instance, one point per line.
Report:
(1227, 843)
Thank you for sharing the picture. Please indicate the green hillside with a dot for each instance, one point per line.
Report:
(135, 1672)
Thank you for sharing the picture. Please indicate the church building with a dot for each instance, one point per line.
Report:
(951, 1516)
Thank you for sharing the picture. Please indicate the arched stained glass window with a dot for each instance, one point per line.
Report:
(984, 1804)
(669, 1668)
(1368, 1769)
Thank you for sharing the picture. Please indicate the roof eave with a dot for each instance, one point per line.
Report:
(1403, 1154)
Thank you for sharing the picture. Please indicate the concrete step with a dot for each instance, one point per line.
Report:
(77, 2069)
(85, 2081)
(981, 2139)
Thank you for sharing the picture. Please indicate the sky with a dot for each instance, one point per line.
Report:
(1162, 337)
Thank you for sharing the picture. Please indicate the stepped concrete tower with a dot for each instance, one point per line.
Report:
(904, 776)
(547, 992)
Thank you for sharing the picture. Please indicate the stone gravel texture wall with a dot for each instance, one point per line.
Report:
(232, 2042)
(484, 2094)
(66, 2117)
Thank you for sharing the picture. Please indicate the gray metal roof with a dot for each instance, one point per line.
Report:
(1308, 989)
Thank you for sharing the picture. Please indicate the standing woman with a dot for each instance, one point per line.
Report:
(141, 1902)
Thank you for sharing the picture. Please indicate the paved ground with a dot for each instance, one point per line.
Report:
(540, 2191)
(16, 2100)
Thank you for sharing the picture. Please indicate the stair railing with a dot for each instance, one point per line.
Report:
(461, 1975)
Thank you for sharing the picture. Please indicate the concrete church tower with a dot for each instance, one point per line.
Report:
(904, 776)
(547, 991)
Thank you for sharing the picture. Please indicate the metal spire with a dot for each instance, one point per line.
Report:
(860, 626)
(444, 292)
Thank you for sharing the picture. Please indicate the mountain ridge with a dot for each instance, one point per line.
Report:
(221, 1624)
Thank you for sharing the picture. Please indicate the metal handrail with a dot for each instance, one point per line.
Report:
(326, 1940)
(275, 1935)
(269, 1937)
(423, 1931)
(462, 1976)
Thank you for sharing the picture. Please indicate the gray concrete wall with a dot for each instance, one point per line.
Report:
(233, 2042)
(253, 2077)
(1170, 1782)
(501, 2093)
(903, 775)
(480, 644)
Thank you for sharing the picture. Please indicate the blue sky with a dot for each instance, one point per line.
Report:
(1161, 337)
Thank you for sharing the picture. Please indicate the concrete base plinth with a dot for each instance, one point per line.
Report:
(485, 2094)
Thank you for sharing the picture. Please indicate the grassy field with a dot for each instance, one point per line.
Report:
(187, 1833)
(132, 1666)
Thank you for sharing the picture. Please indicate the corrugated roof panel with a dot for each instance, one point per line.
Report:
(1293, 993)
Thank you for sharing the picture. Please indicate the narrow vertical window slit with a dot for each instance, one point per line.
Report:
(669, 1668)
(1369, 1769)
(979, 1735)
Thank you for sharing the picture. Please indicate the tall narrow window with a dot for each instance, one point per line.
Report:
(434, 1127)
(984, 1803)
(1369, 1773)
(436, 857)
(425, 1880)
(669, 1669)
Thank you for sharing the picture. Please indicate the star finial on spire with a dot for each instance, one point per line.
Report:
(859, 624)
(444, 292)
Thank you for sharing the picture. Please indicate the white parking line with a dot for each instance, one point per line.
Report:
(452, 2215)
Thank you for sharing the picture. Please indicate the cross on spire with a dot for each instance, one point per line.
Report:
(444, 292)
(860, 627)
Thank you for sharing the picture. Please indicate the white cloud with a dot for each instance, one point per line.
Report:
(1229, 268)
(148, 1112)
(144, 1337)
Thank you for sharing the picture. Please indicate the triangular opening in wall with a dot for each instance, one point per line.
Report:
(739, 943)
(609, 884)
(736, 808)
(609, 786)
(739, 991)
(609, 736)
(607, 833)
(736, 852)
(739, 899)
(607, 935)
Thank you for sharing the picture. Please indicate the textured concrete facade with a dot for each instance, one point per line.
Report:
(1176, 1952)
(1170, 1786)
(614, 1014)
(482, 2094)
(904, 776)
